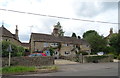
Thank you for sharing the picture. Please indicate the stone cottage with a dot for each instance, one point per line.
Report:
(62, 45)
(6, 35)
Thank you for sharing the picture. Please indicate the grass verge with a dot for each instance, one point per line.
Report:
(17, 69)
(27, 70)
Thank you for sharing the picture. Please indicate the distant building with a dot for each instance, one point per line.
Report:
(62, 45)
(109, 36)
(6, 35)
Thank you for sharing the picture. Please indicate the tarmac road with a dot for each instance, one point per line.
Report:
(85, 69)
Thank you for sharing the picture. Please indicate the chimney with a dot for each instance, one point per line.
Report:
(16, 32)
(111, 30)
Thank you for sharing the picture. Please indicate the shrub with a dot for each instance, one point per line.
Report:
(118, 57)
(95, 58)
(16, 50)
(84, 53)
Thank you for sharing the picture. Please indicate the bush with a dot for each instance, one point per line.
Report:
(16, 50)
(95, 59)
(118, 57)
(84, 53)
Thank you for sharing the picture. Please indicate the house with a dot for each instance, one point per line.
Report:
(62, 45)
(6, 35)
(109, 36)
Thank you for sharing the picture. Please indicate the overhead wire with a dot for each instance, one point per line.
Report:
(56, 16)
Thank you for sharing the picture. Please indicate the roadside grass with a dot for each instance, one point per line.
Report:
(49, 67)
(17, 69)
(24, 69)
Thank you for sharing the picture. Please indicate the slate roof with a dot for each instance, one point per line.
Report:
(50, 38)
(7, 33)
(25, 44)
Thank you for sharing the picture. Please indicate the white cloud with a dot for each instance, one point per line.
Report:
(64, 8)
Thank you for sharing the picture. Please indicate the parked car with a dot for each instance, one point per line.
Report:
(37, 54)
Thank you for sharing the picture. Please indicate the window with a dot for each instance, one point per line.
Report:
(71, 45)
(45, 44)
(67, 52)
(66, 45)
(54, 44)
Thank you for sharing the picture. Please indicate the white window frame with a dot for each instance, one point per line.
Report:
(45, 44)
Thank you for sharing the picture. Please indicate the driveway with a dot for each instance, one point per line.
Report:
(64, 62)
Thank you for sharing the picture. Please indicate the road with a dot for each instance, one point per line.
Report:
(86, 69)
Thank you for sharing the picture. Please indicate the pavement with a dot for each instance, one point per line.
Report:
(63, 62)
(69, 68)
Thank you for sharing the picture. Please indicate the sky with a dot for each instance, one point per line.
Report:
(95, 10)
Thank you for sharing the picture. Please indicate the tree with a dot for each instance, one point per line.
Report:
(51, 51)
(74, 35)
(89, 32)
(97, 42)
(21, 51)
(16, 50)
(79, 37)
(114, 42)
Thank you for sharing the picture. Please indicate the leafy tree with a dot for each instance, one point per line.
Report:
(89, 32)
(97, 42)
(79, 37)
(51, 51)
(109, 50)
(74, 35)
(115, 42)
(21, 51)
(16, 50)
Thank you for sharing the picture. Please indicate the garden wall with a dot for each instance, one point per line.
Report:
(97, 59)
(90, 59)
(29, 61)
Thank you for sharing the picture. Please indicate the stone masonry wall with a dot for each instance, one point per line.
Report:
(29, 61)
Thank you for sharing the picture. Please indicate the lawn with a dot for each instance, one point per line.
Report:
(17, 69)
(24, 69)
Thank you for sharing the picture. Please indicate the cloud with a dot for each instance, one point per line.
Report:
(92, 9)
(96, 11)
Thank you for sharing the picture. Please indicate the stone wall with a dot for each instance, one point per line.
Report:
(108, 58)
(29, 61)
(83, 59)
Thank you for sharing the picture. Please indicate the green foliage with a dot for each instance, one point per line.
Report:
(97, 42)
(95, 58)
(16, 50)
(79, 37)
(74, 35)
(51, 51)
(109, 50)
(89, 32)
(21, 51)
(17, 69)
(115, 42)
(118, 57)
(84, 53)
